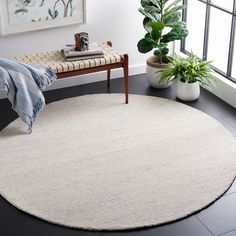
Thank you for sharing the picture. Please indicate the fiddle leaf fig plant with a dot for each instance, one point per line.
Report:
(162, 21)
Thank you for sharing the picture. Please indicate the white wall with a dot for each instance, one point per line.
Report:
(115, 20)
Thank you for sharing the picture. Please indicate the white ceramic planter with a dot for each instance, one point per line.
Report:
(187, 91)
(152, 76)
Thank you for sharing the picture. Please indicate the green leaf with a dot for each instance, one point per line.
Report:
(157, 53)
(174, 9)
(156, 28)
(155, 34)
(156, 3)
(144, 46)
(152, 12)
(148, 38)
(145, 3)
(177, 33)
(161, 52)
(146, 20)
(164, 51)
(156, 25)
(172, 4)
(172, 18)
(146, 14)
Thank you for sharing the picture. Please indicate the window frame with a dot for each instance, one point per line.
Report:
(205, 42)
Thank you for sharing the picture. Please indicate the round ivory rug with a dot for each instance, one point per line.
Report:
(93, 162)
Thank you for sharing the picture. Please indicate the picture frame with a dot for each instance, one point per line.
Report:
(31, 15)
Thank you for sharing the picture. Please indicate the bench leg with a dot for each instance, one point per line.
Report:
(108, 78)
(126, 77)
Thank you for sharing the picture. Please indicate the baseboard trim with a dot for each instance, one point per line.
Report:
(91, 78)
(224, 89)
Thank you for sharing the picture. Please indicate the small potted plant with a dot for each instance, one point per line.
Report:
(189, 72)
(162, 21)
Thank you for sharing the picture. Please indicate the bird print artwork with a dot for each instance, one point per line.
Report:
(28, 15)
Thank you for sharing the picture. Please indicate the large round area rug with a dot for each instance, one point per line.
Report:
(93, 162)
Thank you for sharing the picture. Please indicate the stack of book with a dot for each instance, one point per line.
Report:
(70, 54)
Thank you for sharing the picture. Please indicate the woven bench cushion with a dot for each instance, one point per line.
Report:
(56, 61)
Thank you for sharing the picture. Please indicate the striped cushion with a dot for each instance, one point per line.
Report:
(56, 61)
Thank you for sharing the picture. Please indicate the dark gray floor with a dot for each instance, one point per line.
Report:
(218, 219)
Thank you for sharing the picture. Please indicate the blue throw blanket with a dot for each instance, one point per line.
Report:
(23, 85)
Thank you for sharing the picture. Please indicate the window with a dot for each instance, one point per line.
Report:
(212, 28)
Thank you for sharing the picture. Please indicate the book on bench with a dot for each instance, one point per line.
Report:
(70, 54)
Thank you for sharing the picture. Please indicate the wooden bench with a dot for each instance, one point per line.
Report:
(64, 69)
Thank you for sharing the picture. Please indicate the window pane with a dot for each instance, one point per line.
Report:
(218, 45)
(227, 4)
(195, 24)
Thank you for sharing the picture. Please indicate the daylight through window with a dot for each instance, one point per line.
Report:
(211, 25)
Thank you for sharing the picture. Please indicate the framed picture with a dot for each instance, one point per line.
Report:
(27, 15)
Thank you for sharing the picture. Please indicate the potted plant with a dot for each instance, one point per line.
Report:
(162, 21)
(189, 72)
